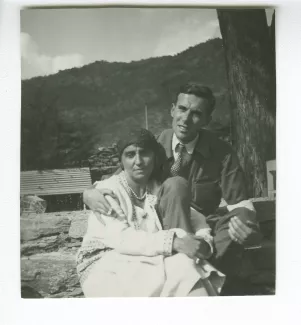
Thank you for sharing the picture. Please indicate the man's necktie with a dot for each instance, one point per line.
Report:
(176, 167)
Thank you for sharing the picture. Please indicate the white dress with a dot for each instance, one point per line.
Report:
(124, 272)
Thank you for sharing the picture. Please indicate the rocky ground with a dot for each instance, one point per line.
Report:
(49, 242)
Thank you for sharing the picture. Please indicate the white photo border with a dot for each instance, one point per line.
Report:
(283, 307)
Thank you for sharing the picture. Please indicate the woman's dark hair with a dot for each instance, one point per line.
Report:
(196, 89)
(144, 139)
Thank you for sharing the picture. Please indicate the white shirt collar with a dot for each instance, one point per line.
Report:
(189, 146)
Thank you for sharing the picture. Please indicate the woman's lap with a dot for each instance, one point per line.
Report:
(104, 284)
(114, 276)
(176, 276)
(181, 276)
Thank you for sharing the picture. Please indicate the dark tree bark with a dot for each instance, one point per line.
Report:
(247, 45)
(273, 61)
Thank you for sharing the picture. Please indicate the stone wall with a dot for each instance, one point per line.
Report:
(50, 241)
(104, 162)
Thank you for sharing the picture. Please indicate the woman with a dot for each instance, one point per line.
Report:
(144, 248)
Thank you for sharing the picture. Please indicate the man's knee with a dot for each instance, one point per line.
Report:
(245, 215)
(176, 184)
(173, 204)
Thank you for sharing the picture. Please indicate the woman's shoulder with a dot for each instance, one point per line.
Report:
(114, 183)
(111, 183)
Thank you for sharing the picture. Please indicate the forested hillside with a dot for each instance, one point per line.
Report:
(67, 116)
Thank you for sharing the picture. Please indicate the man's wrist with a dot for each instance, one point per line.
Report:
(176, 244)
(206, 249)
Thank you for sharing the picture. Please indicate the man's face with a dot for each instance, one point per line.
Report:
(190, 114)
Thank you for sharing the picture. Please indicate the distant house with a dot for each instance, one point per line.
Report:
(61, 188)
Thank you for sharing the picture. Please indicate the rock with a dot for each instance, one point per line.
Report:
(51, 274)
(50, 241)
(74, 245)
(29, 292)
(79, 225)
(95, 167)
(266, 209)
(104, 151)
(42, 225)
(32, 204)
(109, 169)
(115, 160)
(96, 174)
(44, 244)
(102, 162)
(76, 293)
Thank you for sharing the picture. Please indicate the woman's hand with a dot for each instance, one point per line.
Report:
(189, 245)
(96, 201)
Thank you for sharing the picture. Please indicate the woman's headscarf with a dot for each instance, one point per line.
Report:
(139, 137)
(144, 139)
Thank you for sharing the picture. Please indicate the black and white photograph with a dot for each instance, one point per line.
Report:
(148, 152)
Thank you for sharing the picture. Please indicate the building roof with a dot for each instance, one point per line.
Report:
(56, 181)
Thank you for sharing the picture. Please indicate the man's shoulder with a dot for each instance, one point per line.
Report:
(214, 145)
(165, 135)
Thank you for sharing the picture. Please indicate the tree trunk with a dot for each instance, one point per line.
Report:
(247, 46)
(273, 61)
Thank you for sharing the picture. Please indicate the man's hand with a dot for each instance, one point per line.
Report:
(189, 245)
(244, 234)
(96, 201)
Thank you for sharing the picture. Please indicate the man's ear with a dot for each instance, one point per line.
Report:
(173, 107)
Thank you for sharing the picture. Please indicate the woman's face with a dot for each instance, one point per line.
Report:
(138, 163)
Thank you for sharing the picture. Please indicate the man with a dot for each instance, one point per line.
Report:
(213, 173)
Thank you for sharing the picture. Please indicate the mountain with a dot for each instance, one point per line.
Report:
(65, 117)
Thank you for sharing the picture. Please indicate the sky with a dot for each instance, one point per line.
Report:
(59, 39)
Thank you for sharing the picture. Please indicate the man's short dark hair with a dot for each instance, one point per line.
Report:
(196, 89)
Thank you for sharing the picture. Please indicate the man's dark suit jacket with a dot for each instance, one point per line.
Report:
(214, 172)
